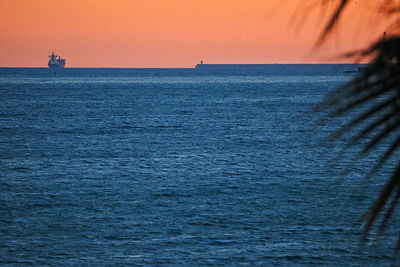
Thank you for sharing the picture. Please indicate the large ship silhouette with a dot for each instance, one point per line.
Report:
(56, 61)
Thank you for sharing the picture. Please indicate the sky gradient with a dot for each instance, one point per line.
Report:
(174, 33)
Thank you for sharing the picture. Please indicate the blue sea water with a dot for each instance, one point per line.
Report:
(176, 167)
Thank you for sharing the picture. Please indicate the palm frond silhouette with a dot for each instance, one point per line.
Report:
(375, 94)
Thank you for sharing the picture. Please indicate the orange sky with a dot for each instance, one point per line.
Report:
(170, 33)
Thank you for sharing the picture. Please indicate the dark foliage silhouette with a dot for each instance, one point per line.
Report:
(372, 99)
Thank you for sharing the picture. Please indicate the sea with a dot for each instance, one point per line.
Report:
(181, 167)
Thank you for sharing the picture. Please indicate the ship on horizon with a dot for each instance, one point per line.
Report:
(201, 65)
(56, 61)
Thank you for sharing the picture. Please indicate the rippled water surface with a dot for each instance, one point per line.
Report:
(174, 167)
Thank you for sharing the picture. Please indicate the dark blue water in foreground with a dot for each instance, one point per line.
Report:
(175, 167)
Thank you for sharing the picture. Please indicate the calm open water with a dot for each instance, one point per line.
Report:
(175, 167)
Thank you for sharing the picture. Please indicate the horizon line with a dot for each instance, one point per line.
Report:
(111, 67)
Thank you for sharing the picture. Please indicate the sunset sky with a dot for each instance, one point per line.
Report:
(174, 33)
